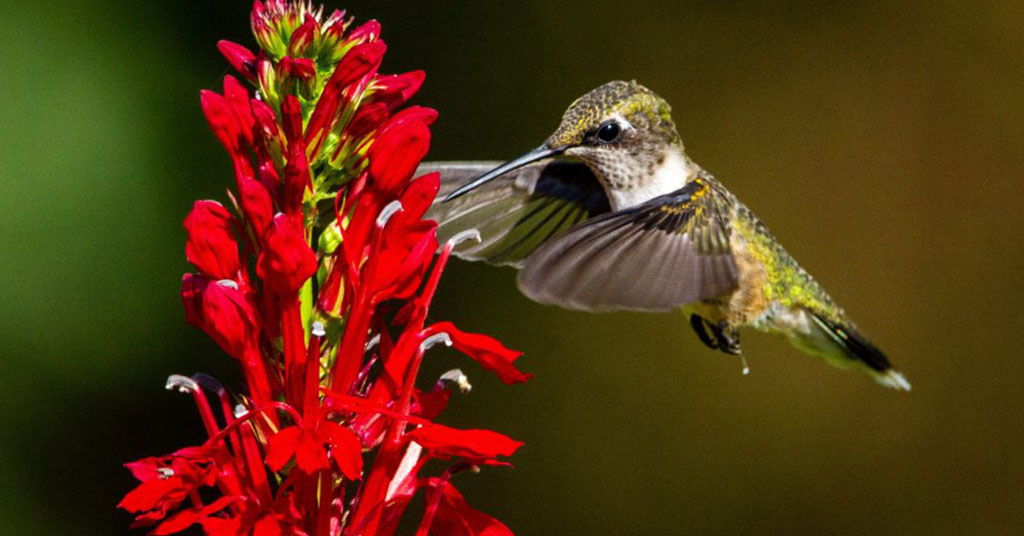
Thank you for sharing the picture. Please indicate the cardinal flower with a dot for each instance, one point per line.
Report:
(316, 275)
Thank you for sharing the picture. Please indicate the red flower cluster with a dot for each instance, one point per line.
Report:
(318, 280)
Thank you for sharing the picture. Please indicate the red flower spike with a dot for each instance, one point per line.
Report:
(211, 245)
(256, 205)
(286, 261)
(240, 58)
(455, 517)
(311, 411)
(486, 351)
(396, 153)
(472, 445)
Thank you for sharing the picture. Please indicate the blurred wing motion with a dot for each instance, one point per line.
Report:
(516, 213)
(657, 256)
(553, 220)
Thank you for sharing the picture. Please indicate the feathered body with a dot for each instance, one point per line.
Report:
(631, 223)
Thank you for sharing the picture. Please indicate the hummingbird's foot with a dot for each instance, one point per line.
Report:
(700, 326)
(728, 338)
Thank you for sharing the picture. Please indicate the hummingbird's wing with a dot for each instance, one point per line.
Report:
(658, 256)
(517, 212)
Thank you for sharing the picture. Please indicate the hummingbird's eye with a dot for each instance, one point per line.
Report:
(609, 132)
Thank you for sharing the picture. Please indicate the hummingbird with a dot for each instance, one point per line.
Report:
(610, 214)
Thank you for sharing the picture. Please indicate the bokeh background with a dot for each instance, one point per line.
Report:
(881, 141)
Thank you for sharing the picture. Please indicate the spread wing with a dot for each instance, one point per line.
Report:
(517, 212)
(657, 256)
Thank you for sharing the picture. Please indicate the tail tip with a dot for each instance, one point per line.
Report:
(893, 379)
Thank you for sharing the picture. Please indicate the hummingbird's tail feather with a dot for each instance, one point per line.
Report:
(854, 347)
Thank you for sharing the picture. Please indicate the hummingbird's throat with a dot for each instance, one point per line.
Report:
(628, 184)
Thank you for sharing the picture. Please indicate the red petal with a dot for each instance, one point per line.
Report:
(476, 445)
(310, 455)
(490, 353)
(291, 117)
(369, 31)
(228, 318)
(397, 151)
(346, 449)
(296, 178)
(240, 58)
(419, 194)
(368, 118)
(147, 495)
(221, 119)
(303, 36)
(286, 261)
(238, 98)
(281, 447)
(357, 63)
(395, 90)
(455, 517)
(211, 245)
(256, 205)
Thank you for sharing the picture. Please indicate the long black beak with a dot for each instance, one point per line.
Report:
(531, 156)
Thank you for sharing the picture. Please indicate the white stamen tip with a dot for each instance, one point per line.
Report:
(468, 234)
(372, 343)
(389, 210)
(229, 283)
(437, 338)
(456, 377)
(317, 329)
(240, 410)
(183, 384)
(746, 367)
(165, 472)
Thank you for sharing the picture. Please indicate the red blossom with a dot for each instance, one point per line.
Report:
(394, 90)
(240, 58)
(310, 446)
(396, 153)
(222, 311)
(256, 204)
(491, 354)
(305, 300)
(455, 517)
(211, 245)
(286, 261)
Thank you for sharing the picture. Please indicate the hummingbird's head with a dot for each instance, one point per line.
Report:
(620, 116)
(622, 131)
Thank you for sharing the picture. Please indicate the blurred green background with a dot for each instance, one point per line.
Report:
(882, 142)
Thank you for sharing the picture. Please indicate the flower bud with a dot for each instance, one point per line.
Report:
(286, 261)
(211, 245)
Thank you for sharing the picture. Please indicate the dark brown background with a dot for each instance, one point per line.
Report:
(880, 141)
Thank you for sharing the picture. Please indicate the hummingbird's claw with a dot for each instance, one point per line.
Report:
(699, 324)
(728, 338)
